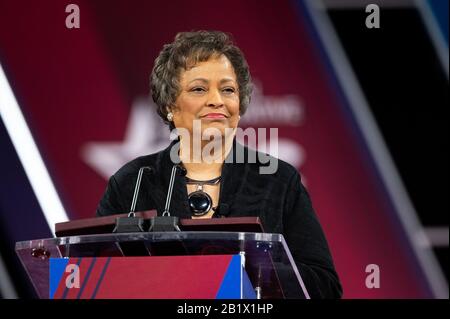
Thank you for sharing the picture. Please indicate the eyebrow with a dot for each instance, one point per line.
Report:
(207, 81)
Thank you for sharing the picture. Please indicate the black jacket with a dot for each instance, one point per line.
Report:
(279, 199)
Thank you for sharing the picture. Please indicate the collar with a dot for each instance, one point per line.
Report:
(233, 174)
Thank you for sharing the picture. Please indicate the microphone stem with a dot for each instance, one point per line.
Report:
(136, 192)
(169, 191)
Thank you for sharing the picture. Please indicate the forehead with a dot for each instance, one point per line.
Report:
(214, 68)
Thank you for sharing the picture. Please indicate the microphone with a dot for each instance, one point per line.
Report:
(223, 210)
(132, 223)
(166, 222)
(136, 190)
(183, 172)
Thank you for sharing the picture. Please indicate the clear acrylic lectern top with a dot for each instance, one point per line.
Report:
(268, 261)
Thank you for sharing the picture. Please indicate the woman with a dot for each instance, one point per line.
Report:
(201, 84)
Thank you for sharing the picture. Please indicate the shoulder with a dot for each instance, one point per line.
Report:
(131, 169)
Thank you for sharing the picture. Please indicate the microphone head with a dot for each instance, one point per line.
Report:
(149, 169)
(182, 170)
(224, 209)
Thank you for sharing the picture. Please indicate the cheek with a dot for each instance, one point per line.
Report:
(233, 107)
(194, 105)
(187, 107)
(234, 111)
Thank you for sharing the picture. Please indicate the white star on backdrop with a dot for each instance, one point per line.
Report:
(145, 134)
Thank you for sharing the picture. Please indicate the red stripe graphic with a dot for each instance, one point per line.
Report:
(93, 278)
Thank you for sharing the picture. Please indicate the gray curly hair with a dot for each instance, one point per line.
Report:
(186, 51)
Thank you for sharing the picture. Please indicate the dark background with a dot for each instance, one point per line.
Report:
(407, 91)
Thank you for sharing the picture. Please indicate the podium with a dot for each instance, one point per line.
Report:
(194, 263)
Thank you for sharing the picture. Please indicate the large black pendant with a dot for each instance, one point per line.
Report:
(200, 203)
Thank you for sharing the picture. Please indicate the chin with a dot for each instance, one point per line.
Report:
(220, 127)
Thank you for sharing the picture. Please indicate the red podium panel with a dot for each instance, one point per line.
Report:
(174, 277)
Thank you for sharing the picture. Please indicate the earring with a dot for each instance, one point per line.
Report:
(170, 116)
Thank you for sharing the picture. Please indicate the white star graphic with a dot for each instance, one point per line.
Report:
(145, 134)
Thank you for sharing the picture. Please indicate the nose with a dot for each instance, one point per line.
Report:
(214, 99)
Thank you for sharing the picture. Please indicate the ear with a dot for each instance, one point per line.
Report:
(171, 108)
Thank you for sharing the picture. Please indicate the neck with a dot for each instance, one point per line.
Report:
(205, 160)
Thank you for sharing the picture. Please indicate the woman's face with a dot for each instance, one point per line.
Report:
(209, 94)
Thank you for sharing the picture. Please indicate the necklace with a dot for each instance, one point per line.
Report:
(200, 202)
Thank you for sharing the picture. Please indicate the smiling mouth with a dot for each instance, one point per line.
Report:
(214, 116)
